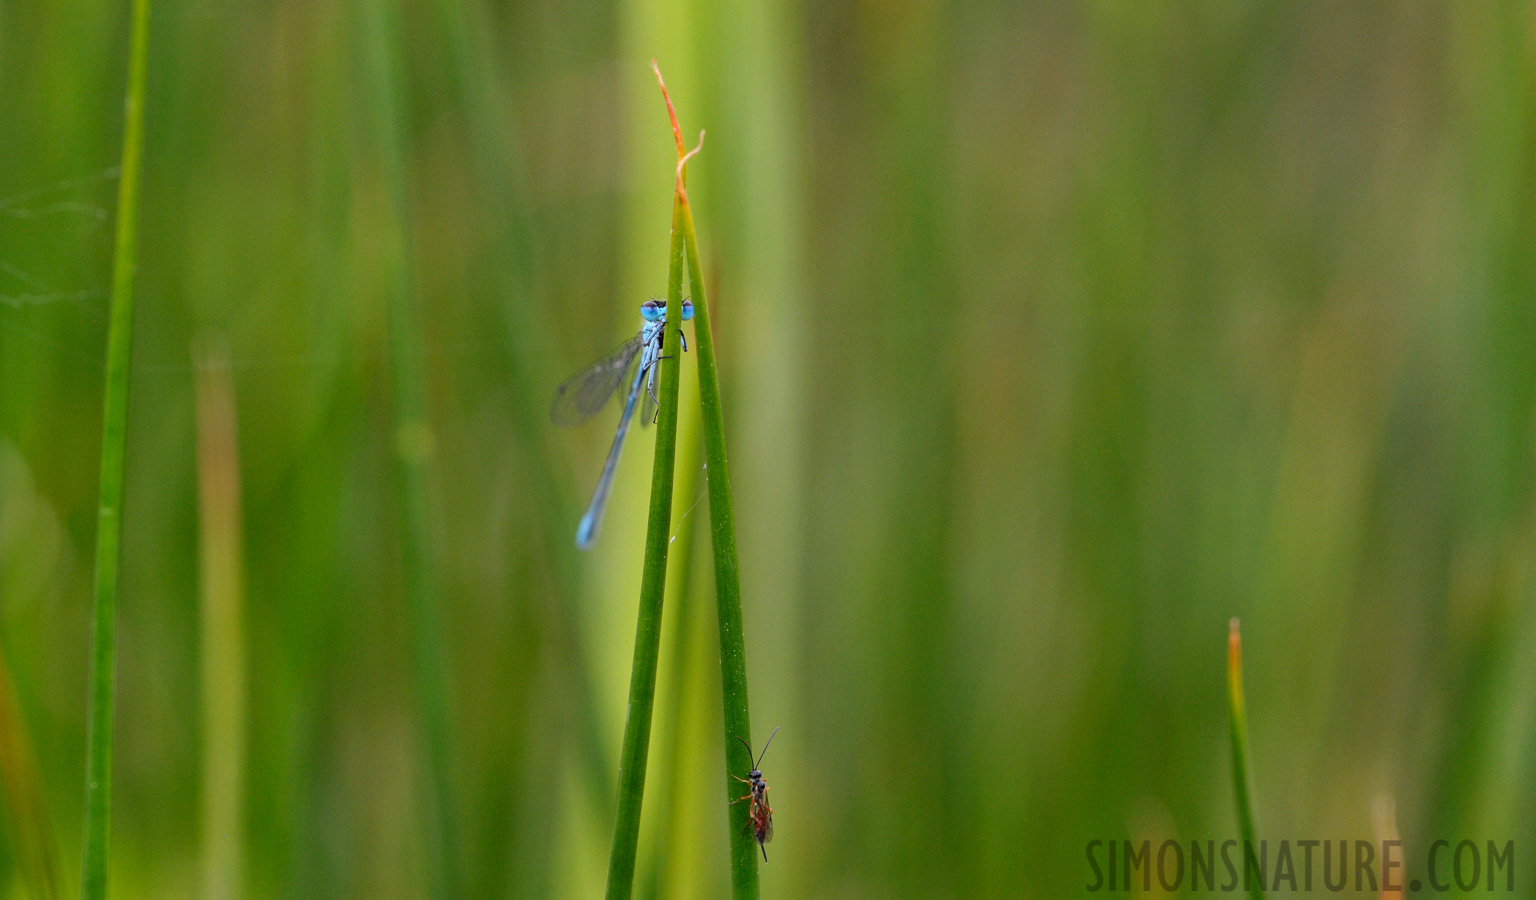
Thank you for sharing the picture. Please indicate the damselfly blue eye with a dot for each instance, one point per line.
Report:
(687, 310)
(652, 310)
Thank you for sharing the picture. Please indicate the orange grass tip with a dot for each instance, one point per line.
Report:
(677, 133)
(1235, 659)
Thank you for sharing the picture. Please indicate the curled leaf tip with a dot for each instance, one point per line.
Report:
(682, 162)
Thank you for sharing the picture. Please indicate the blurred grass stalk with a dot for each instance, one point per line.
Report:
(34, 848)
(414, 445)
(653, 578)
(1239, 722)
(222, 648)
(109, 522)
(491, 121)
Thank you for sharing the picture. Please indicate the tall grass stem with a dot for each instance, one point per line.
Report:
(722, 529)
(722, 523)
(653, 578)
(109, 520)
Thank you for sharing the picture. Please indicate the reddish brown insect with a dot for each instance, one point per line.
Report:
(761, 817)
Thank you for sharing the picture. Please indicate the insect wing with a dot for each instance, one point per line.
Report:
(765, 826)
(586, 392)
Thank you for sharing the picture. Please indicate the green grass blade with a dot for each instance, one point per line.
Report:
(109, 521)
(414, 442)
(1239, 721)
(653, 578)
(722, 527)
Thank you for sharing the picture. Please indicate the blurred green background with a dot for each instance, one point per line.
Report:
(1053, 335)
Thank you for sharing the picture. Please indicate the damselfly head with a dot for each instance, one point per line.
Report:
(654, 310)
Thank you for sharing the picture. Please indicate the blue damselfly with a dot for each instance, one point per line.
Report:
(586, 392)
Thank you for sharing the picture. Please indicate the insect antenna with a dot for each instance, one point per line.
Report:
(749, 748)
(759, 763)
